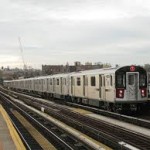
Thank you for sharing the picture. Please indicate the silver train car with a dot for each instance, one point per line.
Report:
(111, 88)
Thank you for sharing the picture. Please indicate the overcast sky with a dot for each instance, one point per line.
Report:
(61, 31)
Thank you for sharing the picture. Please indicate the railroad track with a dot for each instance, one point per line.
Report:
(140, 121)
(111, 135)
(28, 140)
(57, 136)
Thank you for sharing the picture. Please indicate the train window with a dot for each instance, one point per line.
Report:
(104, 81)
(142, 80)
(57, 81)
(100, 80)
(93, 81)
(120, 80)
(78, 81)
(131, 79)
(111, 82)
(51, 82)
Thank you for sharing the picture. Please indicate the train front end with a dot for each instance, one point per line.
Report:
(131, 85)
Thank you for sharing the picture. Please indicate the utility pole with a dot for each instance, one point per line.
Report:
(21, 50)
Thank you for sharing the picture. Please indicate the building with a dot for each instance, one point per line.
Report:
(55, 69)
(52, 69)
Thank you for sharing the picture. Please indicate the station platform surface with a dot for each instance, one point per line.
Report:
(9, 138)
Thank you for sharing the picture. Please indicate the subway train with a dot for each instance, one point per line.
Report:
(109, 88)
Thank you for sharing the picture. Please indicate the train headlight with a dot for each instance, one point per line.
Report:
(119, 93)
(143, 92)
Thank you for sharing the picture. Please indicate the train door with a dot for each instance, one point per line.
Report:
(47, 85)
(109, 88)
(100, 86)
(132, 85)
(34, 85)
(42, 85)
(61, 84)
(85, 86)
(53, 85)
(102, 92)
(72, 85)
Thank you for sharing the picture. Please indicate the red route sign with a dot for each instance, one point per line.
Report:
(132, 68)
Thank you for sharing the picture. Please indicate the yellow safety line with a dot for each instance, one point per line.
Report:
(17, 141)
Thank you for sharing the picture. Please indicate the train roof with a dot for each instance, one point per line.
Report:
(95, 71)
(111, 70)
(85, 72)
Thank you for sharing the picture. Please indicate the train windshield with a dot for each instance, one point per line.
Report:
(142, 80)
(120, 81)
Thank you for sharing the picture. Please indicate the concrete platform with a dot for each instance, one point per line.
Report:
(9, 138)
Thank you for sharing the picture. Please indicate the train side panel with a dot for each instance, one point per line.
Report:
(60, 86)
